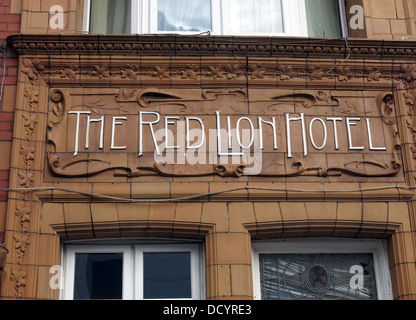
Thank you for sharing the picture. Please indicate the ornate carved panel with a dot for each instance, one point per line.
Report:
(289, 133)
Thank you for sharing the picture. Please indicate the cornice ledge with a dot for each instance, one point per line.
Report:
(200, 45)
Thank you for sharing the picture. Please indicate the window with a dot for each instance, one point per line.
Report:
(321, 269)
(168, 271)
(314, 18)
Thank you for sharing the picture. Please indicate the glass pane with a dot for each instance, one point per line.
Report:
(317, 277)
(167, 275)
(110, 16)
(98, 276)
(252, 16)
(323, 18)
(184, 15)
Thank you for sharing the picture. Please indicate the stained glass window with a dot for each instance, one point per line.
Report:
(317, 276)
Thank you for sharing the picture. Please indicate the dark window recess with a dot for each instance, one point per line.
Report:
(167, 275)
(98, 276)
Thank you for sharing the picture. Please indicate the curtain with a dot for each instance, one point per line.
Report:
(252, 16)
(323, 18)
(184, 15)
(110, 16)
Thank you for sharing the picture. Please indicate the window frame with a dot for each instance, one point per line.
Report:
(69, 267)
(327, 245)
(294, 19)
(133, 265)
(195, 267)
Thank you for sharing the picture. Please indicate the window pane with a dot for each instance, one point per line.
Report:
(317, 277)
(252, 16)
(323, 18)
(167, 275)
(98, 276)
(184, 15)
(110, 16)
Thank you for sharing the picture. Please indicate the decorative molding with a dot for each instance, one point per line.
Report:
(133, 72)
(182, 45)
(27, 149)
(76, 168)
(132, 228)
(405, 78)
(33, 69)
(149, 61)
(410, 117)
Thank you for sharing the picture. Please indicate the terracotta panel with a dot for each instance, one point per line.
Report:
(52, 213)
(44, 290)
(189, 189)
(188, 212)
(224, 280)
(77, 212)
(133, 211)
(399, 213)
(233, 248)
(349, 219)
(241, 281)
(162, 211)
(216, 213)
(293, 211)
(240, 214)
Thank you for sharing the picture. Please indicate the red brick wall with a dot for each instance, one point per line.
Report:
(9, 24)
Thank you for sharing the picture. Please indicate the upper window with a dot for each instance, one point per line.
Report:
(98, 272)
(324, 269)
(313, 18)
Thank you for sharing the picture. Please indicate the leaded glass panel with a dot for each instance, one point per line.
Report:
(318, 277)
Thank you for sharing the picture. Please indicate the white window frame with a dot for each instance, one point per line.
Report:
(195, 269)
(133, 266)
(294, 19)
(327, 245)
(69, 267)
(145, 11)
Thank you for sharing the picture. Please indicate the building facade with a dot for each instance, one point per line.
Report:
(145, 161)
